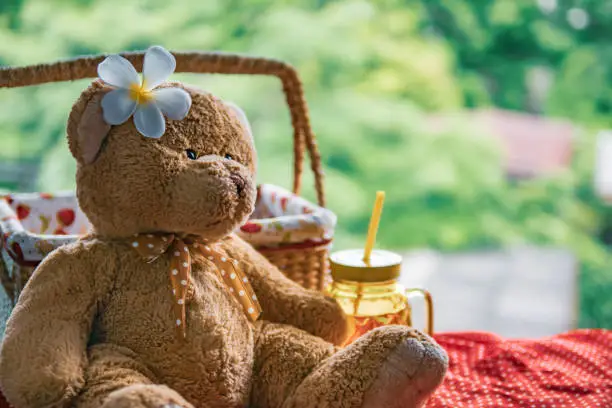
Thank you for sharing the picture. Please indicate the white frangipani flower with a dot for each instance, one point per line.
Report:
(132, 96)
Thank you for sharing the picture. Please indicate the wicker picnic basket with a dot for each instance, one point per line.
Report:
(305, 260)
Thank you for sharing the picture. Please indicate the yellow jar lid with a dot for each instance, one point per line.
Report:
(348, 265)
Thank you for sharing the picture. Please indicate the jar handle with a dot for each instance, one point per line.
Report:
(429, 328)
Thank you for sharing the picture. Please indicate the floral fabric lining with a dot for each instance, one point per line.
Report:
(34, 224)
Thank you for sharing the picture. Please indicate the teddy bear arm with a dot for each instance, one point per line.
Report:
(284, 301)
(43, 354)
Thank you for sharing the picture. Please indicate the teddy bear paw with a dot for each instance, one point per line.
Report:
(413, 368)
(145, 396)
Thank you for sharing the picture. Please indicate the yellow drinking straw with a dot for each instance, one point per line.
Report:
(373, 229)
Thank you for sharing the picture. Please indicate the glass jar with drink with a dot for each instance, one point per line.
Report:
(365, 284)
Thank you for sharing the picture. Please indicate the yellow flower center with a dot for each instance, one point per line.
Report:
(139, 94)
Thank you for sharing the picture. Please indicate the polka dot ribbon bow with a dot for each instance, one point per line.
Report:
(151, 247)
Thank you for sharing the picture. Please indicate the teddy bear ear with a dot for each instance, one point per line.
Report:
(235, 109)
(87, 129)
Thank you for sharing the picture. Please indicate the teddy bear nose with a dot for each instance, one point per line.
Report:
(239, 182)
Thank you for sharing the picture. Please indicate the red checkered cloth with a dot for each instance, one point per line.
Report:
(571, 370)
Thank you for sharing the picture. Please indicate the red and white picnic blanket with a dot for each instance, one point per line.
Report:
(570, 370)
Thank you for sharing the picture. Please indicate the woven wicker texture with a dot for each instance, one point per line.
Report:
(308, 266)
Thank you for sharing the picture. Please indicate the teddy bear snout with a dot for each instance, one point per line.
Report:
(218, 167)
(240, 183)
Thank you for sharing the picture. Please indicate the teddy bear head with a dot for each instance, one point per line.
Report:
(196, 179)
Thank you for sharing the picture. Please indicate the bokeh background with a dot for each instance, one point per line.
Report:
(477, 117)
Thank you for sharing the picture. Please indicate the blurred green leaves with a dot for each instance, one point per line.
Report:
(374, 73)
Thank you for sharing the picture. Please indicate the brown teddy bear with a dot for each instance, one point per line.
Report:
(159, 305)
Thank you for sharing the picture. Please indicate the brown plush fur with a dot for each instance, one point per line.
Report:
(94, 326)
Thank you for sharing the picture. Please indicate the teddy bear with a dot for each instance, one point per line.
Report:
(160, 305)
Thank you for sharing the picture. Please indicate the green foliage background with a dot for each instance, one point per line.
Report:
(373, 71)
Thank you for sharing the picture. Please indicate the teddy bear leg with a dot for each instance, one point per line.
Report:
(115, 379)
(391, 367)
(284, 356)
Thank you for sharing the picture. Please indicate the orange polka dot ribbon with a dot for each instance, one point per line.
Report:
(152, 246)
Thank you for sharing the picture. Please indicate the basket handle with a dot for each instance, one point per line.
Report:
(198, 62)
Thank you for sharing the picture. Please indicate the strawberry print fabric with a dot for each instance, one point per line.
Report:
(42, 222)
(32, 225)
(282, 218)
(49, 214)
(571, 370)
(21, 246)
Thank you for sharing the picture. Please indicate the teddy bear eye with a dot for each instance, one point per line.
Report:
(191, 155)
(229, 156)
